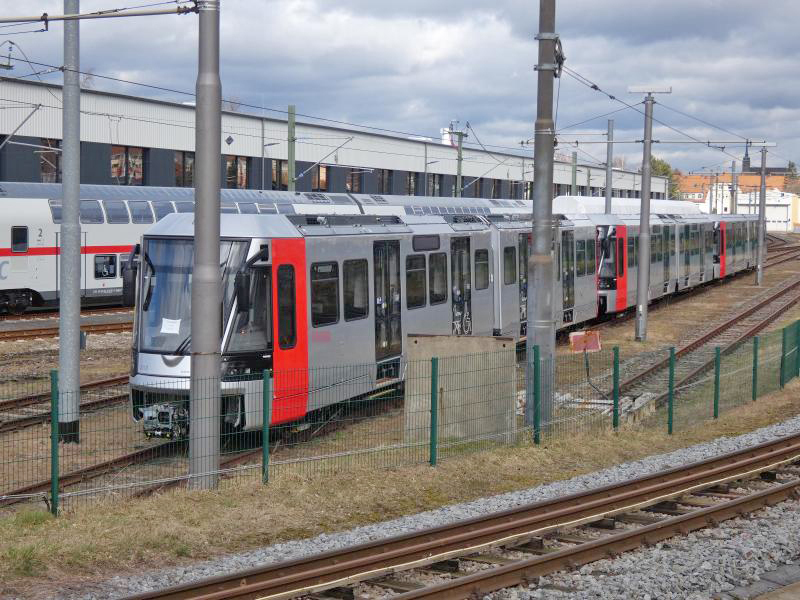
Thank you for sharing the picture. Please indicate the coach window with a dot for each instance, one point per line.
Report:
(591, 264)
(105, 266)
(509, 265)
(415, 281)
(481, 269)
(580, 257)
(621, 262)
(19, 239)
(324, 293)
(55, 210)
(184, 207)
(631, 250)
(248, 208)
(140, 211)
(287, 328)
(356, 289)
(90, 212)
(437, 277)
(116, 212)
(162, 209)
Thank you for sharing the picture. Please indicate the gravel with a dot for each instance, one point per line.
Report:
(736, 551)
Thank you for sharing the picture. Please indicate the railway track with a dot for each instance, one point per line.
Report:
(52, 314)
(696, 356)
(471, 558)
(45, 332)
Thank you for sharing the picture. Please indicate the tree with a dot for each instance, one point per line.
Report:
(661, 168)
(792, 180)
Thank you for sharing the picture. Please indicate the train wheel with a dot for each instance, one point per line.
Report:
(18, 305)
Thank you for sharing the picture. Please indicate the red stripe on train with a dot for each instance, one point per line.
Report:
(290, 365)
(53, 250)
(622, 261)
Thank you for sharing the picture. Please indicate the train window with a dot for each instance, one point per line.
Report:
(268, 209)
(227, 208)
(90, 212)
(116, 212)
(425, 242)
(140, 211)
(580, 257)
(287, 328)
(481, 269)
(247, 208)
(55, 210)
(324, 293)
(621, 252)
(19, 239)
(415, 281)
(162, 209)
(437, 277)
(105, 266)
(356, 289)
(509, 265)
(591, 261)
(631, 251)
(184, 207)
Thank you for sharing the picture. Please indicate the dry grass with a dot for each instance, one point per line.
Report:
(173, 528)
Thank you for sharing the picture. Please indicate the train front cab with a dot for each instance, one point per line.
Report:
(612, 270)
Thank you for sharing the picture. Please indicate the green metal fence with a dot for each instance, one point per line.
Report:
(328, 419)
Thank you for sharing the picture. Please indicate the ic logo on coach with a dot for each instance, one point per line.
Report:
(3, 267)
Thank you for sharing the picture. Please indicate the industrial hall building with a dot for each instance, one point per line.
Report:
(128, 140)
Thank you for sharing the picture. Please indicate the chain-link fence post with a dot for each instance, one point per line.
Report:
(537, 396)
(717, 365)
(434, 437)
(266, 417)
(755, 368)
(782, 378)
(615, 418)
(54, 442)
(671, 392)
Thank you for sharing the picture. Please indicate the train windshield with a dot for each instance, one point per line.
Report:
(608, 252)
(166, 292)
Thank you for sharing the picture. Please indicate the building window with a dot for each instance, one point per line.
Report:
(356, 289)
(497, 187)
(435, 184)
(50, 161)
(477, 188)
(184, 169)
(385, 180)
(236, 172)
(324, 293)
(411, 183)
(105, 266)
(353, 182)
(513, 189)
(280, 168)
(127, 165)
(319, 178)
(528, 190)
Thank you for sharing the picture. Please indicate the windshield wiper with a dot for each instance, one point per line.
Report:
(183, 345)
(149, 292)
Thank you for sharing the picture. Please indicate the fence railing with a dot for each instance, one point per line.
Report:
(326, 419)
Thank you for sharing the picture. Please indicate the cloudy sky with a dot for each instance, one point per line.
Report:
(416, 65)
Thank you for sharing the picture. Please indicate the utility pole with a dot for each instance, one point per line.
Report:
(643, 273)
(425, 191)
(69, 303)
(574, 189)
(205, 401)
(460, 158)
(734, 189)
(762, 217)
(291, 138)
(609, 168)
(541, 331)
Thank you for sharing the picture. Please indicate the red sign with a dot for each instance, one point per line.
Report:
(584, 341)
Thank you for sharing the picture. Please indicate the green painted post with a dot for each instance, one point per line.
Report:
(717, 365)
(755, 368)
(537, 396)
(434, 410)
(783, 356)
(615, 421)
(266, 417)
(671, 393)
(54, 475)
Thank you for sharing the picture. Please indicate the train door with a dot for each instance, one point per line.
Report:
(665, 243)
(386, 274)
(568, 273)
(524, 245)
(84, 258)
(461, 277)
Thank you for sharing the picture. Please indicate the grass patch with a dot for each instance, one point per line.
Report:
(118, 536)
